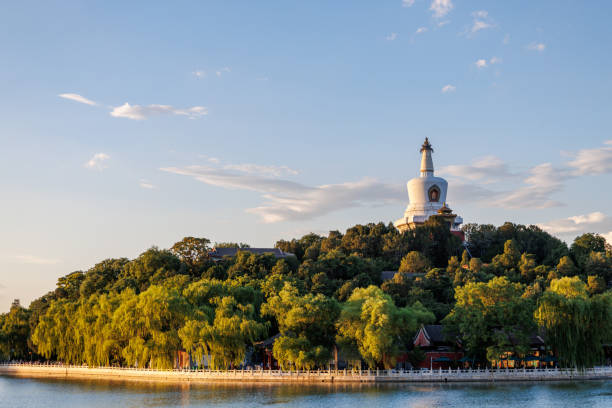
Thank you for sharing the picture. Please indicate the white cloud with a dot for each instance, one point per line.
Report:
(258, 169)
(593, 161)
(542, 182)
(506, 39)
(481, 63)
(138, 112)
(420, 30)
(532, 189)
(391, 37)
(534, 46)
(595, 222)
(199, 74)
(145, 184)
(97, 162)
(487, 170)
(448, 88)
(77, 98)
(35, 260)
(222, 71)
(481, 21)
(408, 3)
(441, 8)
(290, 200)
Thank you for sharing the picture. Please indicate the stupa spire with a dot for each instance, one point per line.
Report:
(427, 168)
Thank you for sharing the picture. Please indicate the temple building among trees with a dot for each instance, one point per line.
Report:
(427, 197)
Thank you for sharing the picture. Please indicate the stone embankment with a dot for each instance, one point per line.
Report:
(314, 376)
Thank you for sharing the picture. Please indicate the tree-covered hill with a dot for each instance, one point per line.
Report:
(505, 283)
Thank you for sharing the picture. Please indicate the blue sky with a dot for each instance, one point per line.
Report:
(131, 124)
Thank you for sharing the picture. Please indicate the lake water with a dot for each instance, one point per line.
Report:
(34, 393)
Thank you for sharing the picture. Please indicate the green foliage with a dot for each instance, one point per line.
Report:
(485, 241)
(576, 324)
(566, 267)
(372, 324)
(14, 332)
(306, 325)
(584, 245)
(141, 312)
(491, 318)
(193, 252)
(414, 262)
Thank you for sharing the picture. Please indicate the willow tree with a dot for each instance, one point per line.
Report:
(226, 338)
(576, 324)
(373, 325)
(56, 336)
(93, 321)
(149, 324)
(491, 318)
(14, 332)
(306, 325)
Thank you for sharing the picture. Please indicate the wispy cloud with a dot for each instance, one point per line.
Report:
(481, 21)
(541, 183)
(221, 71)
(595, 222)
(535, 46)
(486, 170)
(420, 30)
(483, 63)
(593, 161)
(449, 88)
(147, 185)
(98, 161)
(289, 200)
(408, 3)
(138, 112)
(258, 169)
(506, 39)
(534, 188)
(199, 73)
(391, 37)
(441, 8)
(77, 98)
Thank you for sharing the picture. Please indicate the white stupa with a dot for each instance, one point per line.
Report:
(427, 197)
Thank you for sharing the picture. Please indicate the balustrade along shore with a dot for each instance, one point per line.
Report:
(309, 376)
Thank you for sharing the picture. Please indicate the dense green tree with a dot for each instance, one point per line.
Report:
(576, 324)
(566, 267)
(193, 252)
(102, 276)
(227, 337)
(306, 326)
(491, 318)
(414, 262)
(14, 333)
(371, 324)
(584, 245)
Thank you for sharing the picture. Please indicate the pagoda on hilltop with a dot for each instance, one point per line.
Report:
(427, 198)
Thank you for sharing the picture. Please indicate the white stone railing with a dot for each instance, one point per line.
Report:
(325, 375)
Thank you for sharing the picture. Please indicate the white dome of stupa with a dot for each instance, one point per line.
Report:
(427, 196)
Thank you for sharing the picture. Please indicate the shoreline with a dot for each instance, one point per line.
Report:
(312, 377)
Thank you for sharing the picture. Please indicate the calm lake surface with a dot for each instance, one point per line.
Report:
(35, 393)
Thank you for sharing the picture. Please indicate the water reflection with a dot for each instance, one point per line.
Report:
(31, 393)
